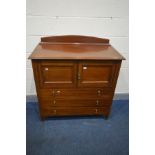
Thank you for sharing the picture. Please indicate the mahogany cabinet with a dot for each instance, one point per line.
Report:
(75, 75)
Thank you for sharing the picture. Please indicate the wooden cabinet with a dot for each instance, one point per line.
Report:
(75, 75)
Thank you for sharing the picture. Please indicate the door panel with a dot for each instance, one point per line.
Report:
(57, 74)
(96, 74)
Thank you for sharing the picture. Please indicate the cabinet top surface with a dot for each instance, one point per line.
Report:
(75, 48)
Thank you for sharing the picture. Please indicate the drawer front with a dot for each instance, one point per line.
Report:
(76, 93)
(74, 111)
(52, 74)
(75, 103)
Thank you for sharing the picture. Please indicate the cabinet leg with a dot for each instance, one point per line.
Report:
(106, 116)
(107, 113)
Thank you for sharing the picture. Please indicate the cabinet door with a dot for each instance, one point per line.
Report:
(96, 74)
(57, 74)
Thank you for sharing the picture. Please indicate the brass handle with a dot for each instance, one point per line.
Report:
(99, 92)
(84, 67)
(96, 110)
(58, 92)
(54, 111)
(46, 69)
(54, 102)
(97, 102)
(79, 76)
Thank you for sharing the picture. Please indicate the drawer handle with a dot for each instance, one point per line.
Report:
(54, 102)
(46, 69)
(99, 92)
(97, 102)
(58, 92)
(96, 111)
(54, 111)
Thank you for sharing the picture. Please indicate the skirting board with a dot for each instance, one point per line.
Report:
(117, 96)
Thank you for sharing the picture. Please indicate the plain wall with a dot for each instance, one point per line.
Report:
(100, 18)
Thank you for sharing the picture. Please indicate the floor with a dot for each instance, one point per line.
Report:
(79, 135)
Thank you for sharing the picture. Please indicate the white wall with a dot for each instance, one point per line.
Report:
(100, 18)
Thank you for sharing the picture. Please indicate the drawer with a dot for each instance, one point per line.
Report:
(75, 103)
(75, 93)
(74, 111)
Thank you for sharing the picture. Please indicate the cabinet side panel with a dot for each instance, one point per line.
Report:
(116, 74)
(35, 64)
